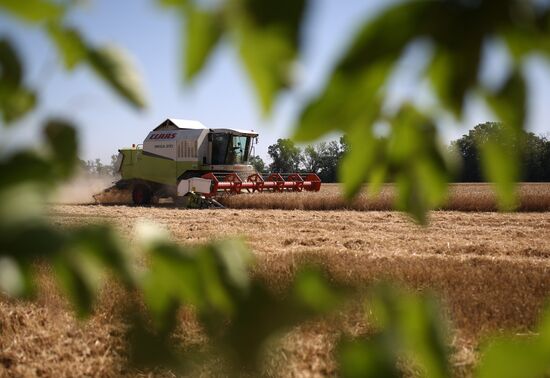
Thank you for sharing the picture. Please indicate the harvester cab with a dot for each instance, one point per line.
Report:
(183, 156)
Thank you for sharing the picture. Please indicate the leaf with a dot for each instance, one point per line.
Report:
(367, 358)
(100, 242)
(348, 100)
(413, 326)
(501, 166)
(203, 31)
(268, 35)
(528, 31)
(420, 169)
(410, 155)
(509, 358)
(454, 69)
(172, 3)
(510, 102)
(80, 264)
(215, 288)
(79, 276)
(33, 11)
(12, 280)
(455, 66)
(149, 348)
(171, 279)
(61, 136)
(24, 167)
(364, 154)
(23, 243)
(113, 66)
(235, 259)
(15, 99)
(424, 335)
(500, 147)
(525, 356)
(207, 277)
(16, 103)
(353, 90)
(261, 315)
(312, 289)
(12, 70)
(30, 240)
(69, 43)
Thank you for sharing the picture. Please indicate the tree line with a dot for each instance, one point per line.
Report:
(323, 158)
(534, 153)
(97, 167)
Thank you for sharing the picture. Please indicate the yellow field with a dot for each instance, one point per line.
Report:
(462, 197)
(491, 271)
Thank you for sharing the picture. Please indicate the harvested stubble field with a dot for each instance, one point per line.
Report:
(462, 197)
(491, 271)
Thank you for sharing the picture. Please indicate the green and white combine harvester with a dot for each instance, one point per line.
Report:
(193, 164)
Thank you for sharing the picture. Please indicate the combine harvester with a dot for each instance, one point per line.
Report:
(193, 164)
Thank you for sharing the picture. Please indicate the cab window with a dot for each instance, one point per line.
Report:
(230, 149)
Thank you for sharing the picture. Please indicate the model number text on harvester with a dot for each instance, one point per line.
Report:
(163, 136)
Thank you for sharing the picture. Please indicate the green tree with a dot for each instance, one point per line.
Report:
(323, 159)
(311, 157)
(285, 156)
(258, 163)
(531, 149)
(536, 158)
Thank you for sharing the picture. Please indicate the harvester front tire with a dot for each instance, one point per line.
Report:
(141, 195)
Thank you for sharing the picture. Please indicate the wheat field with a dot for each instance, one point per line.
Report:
(461, 197)
(490, 270)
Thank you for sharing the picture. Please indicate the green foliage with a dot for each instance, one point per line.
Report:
(203, 30)
(61, 136)
(258, 163)
(409, 327)
(323, 159)
(236, 311)
(239, 314)
(33, 11)
(69, 43)
(109, 63)
(15, 99)
(410, 155)
(268, 43)
(114, 67)
(266, 35)
(526, 155)
(352, 98)
(510, 357)
(285, 156)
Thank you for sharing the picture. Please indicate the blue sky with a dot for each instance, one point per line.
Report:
(222, 95)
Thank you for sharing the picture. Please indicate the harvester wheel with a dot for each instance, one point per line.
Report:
(141, 195)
